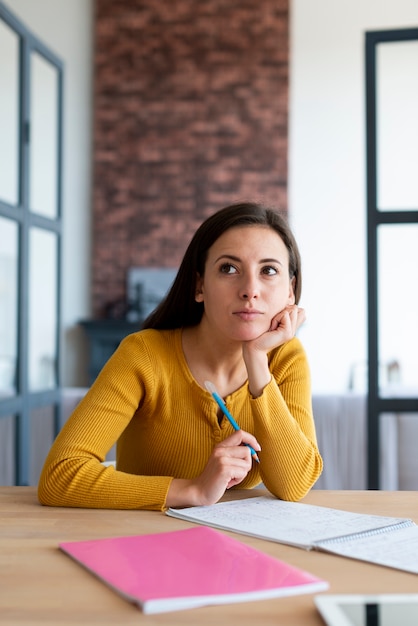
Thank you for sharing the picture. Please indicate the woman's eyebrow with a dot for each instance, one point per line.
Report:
(270, 261)
(228, 256)
(232, 257)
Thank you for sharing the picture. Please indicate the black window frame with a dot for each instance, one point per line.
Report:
(376, 405)
(21, 405)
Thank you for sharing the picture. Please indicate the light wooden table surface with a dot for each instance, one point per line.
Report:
(41, 586)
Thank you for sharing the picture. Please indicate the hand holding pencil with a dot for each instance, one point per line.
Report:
(227, 466)
(212, 390)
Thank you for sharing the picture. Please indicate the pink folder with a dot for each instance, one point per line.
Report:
(189, 568)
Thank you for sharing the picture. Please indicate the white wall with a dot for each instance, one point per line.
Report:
(65, 26)
(327, 188)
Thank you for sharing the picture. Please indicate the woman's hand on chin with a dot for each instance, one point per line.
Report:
(283, 327)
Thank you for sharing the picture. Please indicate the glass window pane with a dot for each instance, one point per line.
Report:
(42, 309)
(397, 125)
(41, 439)
(7, 450)
(9, 111)
(8, 306)
(397, 309)
(44, 137)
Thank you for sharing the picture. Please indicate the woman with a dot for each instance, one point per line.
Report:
(230, 318)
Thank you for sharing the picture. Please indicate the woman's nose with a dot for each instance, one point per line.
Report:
(249, 290)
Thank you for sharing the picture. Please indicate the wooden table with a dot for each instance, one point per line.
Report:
(41, 586)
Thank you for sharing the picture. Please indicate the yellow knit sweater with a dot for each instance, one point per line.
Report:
(166, 426)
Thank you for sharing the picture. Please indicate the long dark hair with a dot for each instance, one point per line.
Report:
(179, 307)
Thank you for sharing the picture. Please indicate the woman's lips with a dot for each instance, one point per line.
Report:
(248, 315)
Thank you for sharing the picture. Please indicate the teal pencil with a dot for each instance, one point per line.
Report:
(212, 390)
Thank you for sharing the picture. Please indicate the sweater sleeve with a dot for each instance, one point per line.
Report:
(73, 473)
(284, 426)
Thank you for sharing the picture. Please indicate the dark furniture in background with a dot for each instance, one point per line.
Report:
(104, 337)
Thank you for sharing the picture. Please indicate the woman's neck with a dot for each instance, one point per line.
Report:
(210, 358)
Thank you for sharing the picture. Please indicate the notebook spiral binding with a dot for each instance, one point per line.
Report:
(367, 533)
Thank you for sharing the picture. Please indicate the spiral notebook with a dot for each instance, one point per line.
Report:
(189, 568)
(388, 541)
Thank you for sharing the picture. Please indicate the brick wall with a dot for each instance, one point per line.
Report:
(191, 105)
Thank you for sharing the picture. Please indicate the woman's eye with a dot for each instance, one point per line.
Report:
(269, 270)
(227, 268)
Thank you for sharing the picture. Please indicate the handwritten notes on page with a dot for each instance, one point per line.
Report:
(390, 541)
(293, 523)
(393, 549)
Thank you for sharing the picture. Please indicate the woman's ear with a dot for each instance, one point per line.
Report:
(198, 296)
(292, 299)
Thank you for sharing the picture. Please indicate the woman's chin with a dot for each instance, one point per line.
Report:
(250, 334)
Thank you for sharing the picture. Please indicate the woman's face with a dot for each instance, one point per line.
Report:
(246, 282)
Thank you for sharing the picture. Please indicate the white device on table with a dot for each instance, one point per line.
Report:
(368, 610)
